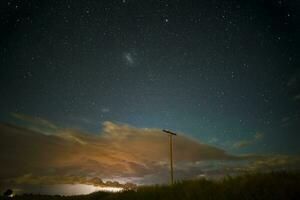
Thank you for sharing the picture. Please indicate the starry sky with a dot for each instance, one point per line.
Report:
(225, 73)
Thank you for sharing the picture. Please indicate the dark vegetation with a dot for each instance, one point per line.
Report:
(8, 193)
(274, 185)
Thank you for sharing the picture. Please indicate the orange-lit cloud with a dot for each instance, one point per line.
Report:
(119, 151)
(31, 155)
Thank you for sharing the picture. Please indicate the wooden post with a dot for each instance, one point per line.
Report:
(171, 158)
(171, 154)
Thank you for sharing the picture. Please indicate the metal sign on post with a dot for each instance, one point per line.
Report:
(171, 152)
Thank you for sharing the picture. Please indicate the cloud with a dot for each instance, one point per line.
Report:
(242, 143)
(36, 123)
(129, 58)
(245, 143)
(274, 162)
(258, 136)
(30, 179)
(35, 120)
(30, 154)
(120, 152)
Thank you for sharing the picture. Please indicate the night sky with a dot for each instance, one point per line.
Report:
(225, 73)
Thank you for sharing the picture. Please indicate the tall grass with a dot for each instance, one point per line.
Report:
(272, 186)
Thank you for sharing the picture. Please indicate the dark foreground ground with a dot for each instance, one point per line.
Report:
(275, 185)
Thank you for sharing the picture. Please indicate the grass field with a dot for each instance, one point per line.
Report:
(273, 186)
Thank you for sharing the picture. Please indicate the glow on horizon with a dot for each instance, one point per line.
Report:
(72, 189)
(111, 189)
(78, 189)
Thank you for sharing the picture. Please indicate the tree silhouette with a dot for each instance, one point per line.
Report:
(8, 193)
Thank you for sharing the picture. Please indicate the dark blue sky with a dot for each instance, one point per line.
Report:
(224, 72)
